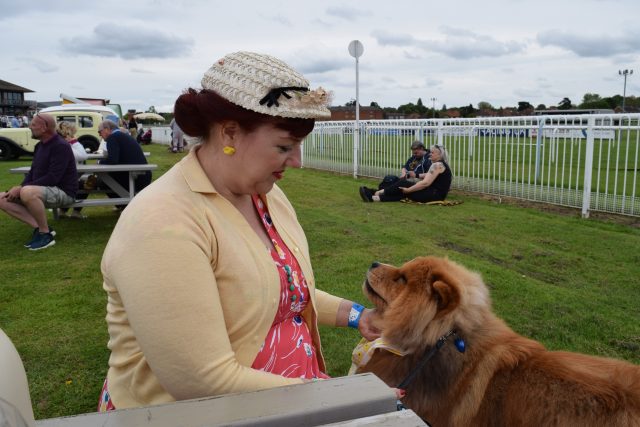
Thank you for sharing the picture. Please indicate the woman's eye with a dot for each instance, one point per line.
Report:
(284, 148)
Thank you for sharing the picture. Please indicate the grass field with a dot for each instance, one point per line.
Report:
(571, 283)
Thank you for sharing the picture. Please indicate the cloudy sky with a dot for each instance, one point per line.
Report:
(145, 52)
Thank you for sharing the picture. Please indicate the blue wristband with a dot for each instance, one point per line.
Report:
(354, 315)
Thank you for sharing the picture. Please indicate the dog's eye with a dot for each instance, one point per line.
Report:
(401, 279)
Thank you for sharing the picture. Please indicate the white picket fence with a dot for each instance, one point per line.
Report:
(590, 162)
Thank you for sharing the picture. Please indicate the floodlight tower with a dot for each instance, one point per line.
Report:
(624, 73)
(433, 103)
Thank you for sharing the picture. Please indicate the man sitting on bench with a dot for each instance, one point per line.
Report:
(123, 149)
(52, 182)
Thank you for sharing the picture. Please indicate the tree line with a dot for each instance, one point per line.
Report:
(483, 108)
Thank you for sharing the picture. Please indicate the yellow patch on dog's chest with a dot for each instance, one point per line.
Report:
(364, 350)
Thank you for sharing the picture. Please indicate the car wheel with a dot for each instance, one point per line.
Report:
(6, 153)
(89, 144)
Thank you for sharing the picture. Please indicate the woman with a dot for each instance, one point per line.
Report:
(68, 130)
(433, 186)
(242, 313)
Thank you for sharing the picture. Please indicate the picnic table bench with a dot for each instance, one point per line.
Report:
(102, 171)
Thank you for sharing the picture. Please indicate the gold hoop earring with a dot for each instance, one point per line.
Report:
(228, 150)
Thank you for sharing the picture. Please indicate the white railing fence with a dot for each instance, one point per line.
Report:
(590, 162)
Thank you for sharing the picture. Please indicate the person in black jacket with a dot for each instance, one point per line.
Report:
(433, 186)
(414, 169)
(123, 149)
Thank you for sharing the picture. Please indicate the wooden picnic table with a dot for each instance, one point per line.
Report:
(103, 171)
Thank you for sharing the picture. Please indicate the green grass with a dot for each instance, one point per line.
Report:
(571, 283)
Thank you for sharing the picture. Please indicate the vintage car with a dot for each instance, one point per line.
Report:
(15, 142)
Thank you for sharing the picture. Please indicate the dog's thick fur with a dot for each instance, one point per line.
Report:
(503, 379)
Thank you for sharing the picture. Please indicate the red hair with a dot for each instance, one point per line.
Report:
(197, 111)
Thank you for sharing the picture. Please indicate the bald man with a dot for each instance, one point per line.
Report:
(52, 182)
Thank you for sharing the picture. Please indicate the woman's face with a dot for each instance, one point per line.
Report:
(263, 156)
(436, 155)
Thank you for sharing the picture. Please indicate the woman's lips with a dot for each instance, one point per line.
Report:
(278, 174)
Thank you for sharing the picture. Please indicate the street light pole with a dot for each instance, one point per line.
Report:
(356, 50)
(433, 103)
(624, 73)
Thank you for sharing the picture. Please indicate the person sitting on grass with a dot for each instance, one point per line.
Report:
(414, 169)
(144, 137)
(52, 182)
(434, 185)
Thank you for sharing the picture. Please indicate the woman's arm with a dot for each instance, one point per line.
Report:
(365, 321)
(435, 170)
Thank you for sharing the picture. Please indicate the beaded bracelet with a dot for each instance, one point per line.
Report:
(354, 315)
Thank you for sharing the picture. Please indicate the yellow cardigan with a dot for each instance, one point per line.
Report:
(192, 292)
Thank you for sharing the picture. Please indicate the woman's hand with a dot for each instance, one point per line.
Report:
(406, 190)
(366, 327)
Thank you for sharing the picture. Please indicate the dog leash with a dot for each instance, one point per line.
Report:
(460, 346)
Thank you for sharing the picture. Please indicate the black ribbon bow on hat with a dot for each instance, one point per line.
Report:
(271, 98)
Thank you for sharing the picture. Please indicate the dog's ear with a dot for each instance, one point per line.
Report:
(447, 296)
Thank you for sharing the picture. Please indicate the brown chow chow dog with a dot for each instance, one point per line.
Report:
(500, 378)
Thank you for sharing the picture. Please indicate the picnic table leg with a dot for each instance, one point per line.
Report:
(132, 187)
(114, 186)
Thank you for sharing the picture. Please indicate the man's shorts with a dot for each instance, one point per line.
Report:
(53, 197)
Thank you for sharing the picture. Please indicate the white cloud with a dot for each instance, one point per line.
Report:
(348, 13)
(127, 42)
(592, 45)
(40, 65)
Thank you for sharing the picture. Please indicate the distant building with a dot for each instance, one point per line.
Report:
(349, 113)
(573, 111)
(12, 102)
(452, 113)
(394, 115)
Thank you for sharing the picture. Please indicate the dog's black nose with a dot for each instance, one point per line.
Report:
(375, 264)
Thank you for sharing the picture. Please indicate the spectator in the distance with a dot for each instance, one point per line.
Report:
(433, 186)
(414, 168)
(133, 127)
(177, 137)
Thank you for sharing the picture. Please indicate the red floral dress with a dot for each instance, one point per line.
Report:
(288, 348)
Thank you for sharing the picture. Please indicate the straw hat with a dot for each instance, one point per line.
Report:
(266, 85)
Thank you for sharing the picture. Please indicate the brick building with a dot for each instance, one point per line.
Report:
(12, 102)
(349, 113)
